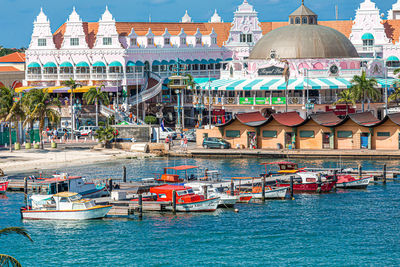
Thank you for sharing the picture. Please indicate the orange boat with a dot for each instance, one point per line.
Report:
(3, 182)
(171, 174)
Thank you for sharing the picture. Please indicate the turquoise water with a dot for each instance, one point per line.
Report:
(347, 228)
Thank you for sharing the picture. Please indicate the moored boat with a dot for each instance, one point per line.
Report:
(214, 190)
(3, 182)
(271, 192)
(64, 206)
(186, 199)
(349, 182)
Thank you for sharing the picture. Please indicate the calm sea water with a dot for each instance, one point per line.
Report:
(347, 228)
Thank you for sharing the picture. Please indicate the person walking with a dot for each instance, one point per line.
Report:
(185, 143)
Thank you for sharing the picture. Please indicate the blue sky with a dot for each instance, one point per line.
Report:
(17, 16)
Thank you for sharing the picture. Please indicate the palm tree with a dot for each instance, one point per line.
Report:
(10, 111)
(73, 85)
(6, 260)
(106, 135)
(43, 107)
(347, 97)
(364, 88)
(97, 96)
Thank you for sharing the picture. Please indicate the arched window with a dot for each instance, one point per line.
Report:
(291, 21)
(297, 20)
(305, 20)
(368, 41)
(311, 20)
(393, 62)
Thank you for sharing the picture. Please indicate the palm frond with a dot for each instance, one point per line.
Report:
(15, 230)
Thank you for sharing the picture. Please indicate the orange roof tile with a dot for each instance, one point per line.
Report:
(8, 68)
(14, 57)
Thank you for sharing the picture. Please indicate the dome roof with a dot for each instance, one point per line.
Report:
(304, 42)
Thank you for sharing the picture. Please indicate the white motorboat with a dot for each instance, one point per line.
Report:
(214, 191)
(349, 182)
(63, 206)
(271, 192)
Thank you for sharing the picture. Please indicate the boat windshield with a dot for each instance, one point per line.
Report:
(190, 191)
(75, 197)
(185, 192)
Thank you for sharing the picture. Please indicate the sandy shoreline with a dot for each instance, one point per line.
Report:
(23, 161)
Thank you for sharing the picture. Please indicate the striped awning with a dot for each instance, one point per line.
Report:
(277, 83)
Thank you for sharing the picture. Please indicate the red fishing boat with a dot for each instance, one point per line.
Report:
(3, 182)
(350, 182)
(303, 181)
(186, 199)
(176, 174)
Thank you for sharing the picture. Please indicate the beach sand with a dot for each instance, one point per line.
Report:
(23, 161)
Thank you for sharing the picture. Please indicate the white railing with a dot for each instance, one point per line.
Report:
(82, 76)
(99, 76)
(66, 76)
(148, 93)
(50, 76)
(115, 76)
(34, 76)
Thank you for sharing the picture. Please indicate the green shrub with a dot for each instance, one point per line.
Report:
(150, 120)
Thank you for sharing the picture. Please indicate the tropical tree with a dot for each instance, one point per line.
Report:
(364, 88)
(6, 260)
(10, 111)
(97, 96)
(106, 135)
(73, 85)
(346, 97)
(43, 107)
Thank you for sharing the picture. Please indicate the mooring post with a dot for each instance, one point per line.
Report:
(25, 185)
(263, 189)
(319, 183)
(384, 173)
(232, 188)
(335, 179)
(174, 201)
(124, 175)
(359, 171)
(291, 187)
(110, 185)
(205, 190)
(140, 206)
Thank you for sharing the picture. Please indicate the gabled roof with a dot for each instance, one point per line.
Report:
(16, 57)
(328, 119)
(303, 11)
(251, 119)
(366, 119)
(288, 119)
(8, 69)
(395, 118)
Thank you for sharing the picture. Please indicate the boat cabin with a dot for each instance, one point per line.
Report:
(184, 194)
(172, 174)
(71, 201)
(64, 183)
(280, 167)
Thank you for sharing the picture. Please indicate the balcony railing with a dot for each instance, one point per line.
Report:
(31, 76)
(82, 76)
(50, 77)
(99, 76)
(115, 76)
(66, 76)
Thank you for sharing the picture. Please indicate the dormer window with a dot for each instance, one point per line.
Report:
(246, 38)
(214, 40)
(107, 41)
(74, 41)
(304, 20)
(297, 20)
(291, 21)
(133, 42)
(150, 41)
(311, 20)
(41, 42)
(198, 40)
(183, 41)
(167, 41)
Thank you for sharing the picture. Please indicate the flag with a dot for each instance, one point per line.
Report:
(162, 125)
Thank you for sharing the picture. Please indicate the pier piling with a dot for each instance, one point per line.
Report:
(319, 182)
(291, 187)
(25, 186)
(124, 174)
(263, 189)
(110, 185)
(232, 188)
(335, 179)
(140, 208)
(174, 201)
(384, 173)
(359, 171)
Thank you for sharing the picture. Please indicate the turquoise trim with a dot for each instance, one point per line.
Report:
(50, 65)
(204, 61)
(346, 82)
(268, 84)
(115, 64)
(232, 86)
(34, 65)
(164, 62)
(188, 61)
(66, 65)
(393, 58)
(367, 36)
(82, 64)
(139, 64)
(250, 85)
(314, 85)
(212, 61)
(283, 85)
(196, 61)
(331, 84)
(172, 62)
(130, 64)
(99, 64)
(300, 86)
(156, 63)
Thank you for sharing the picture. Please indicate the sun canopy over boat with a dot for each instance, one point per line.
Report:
(65, 194)
(182, 168)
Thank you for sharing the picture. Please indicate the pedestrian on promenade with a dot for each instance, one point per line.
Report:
(182, 144)
(185, 144)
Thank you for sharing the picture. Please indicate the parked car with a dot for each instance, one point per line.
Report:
(167, 132)
(87, 130)
(214, 142)
(62, 131)
(191, 135)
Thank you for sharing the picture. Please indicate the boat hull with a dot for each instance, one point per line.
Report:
(227, 201)
(3, 187)
(309, 187)
(203, 205)
(357, 184)
(88, 214)
(94, 193)
(273, 193)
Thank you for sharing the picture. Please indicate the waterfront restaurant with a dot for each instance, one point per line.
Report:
(317, 131)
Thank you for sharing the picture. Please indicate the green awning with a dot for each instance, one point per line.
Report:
(164, 62)
(139, 64)
(50, 65)
(99, 64)
(156, 63)
(172, 62)
(212, 61)
(188, 61)
(367, 36)
(196, 61)
(82, 64)
(393, 58)
(34, 65)
(204, 61)
(115, 64)
(66, 65)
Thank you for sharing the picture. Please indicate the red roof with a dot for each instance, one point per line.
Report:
(288, 118)
(364, 118)
(326, 118)
(16, 57)
(395, 118)
(8, 69)
(182, 168)
(250, 117)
